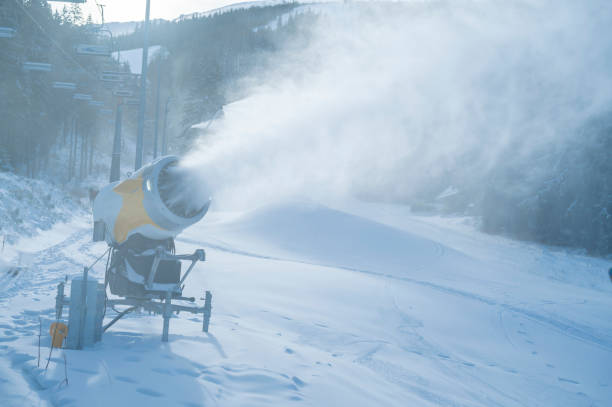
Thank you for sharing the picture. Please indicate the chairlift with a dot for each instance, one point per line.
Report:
(93, 49)
(37, 58)
(7, 32)
(111, 77)
(82, 96)
(8, 22)
(36, 67)
(64, 85)
(102, 46)
(123, 93)
(123, 74)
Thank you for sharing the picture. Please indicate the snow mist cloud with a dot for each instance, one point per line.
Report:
(386, 98)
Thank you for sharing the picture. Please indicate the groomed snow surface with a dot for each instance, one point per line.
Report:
(339, 305)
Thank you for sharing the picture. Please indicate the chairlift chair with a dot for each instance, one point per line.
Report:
(7, 32)
(111, 77)
(37, 59)
(101, 46)
(132, 102)
(31, 66)
(64, 85)
(82, 96)
(123, 92)
(8, 22)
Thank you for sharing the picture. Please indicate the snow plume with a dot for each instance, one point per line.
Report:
(386, 99)
(183, 191)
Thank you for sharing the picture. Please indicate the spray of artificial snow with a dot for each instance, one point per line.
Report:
(387, 97)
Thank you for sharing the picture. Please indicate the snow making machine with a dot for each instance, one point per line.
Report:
(139, 218)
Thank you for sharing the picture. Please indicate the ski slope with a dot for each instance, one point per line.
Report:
(345, 304)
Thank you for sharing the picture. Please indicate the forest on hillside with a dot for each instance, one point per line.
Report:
(564, 198)
(43, 123)
(38, 116)
(205, 57)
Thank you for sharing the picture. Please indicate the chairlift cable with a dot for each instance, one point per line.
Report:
(101, 11)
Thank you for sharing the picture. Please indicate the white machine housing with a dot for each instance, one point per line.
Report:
(138, 205)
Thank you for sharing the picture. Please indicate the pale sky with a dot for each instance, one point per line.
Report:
(134, 10)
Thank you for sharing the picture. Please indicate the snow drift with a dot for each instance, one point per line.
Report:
(314, 233)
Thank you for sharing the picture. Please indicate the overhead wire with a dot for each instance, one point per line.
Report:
(100, 8)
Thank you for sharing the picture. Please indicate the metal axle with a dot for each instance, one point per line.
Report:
(163, 307)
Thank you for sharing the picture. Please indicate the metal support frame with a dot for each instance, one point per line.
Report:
(152, 303)
(167, 315)
(160, 255)
(207, 311)
(164, 307)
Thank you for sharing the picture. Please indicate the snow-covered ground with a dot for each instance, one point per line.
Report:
(329, 305)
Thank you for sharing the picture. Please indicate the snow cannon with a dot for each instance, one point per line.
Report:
(157, 202)
(139, 218)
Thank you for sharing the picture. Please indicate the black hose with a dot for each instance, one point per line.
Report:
(98, 259)
(118, 317)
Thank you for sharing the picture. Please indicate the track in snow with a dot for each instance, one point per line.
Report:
(289, 327)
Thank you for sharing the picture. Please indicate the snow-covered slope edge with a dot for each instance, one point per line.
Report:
(29, 205)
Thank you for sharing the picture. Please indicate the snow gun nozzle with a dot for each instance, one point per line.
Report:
(157, 202)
